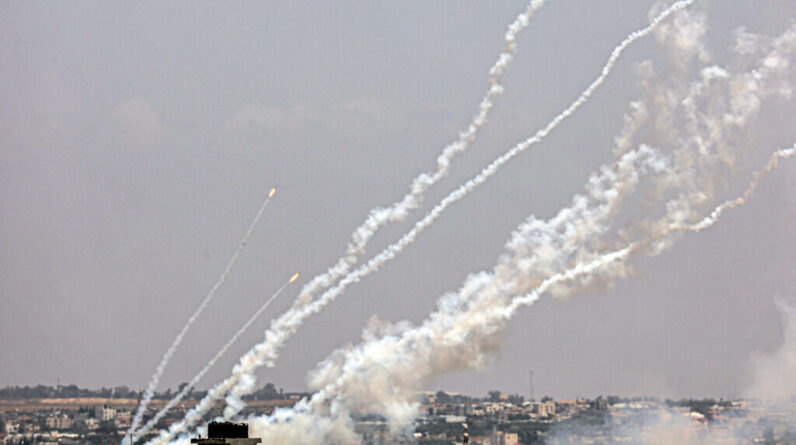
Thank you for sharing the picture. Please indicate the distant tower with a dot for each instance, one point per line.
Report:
(530, 381)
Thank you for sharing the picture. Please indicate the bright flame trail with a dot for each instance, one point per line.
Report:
(153, 383)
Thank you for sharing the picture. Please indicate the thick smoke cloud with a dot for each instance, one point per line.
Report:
(677, 144)
(560, 256)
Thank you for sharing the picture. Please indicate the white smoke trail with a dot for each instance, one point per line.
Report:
(705, 119)
(174, 401)
(711, 219)
(242, 380)
(622, 254)
(153, 383)
(381, 216)
(379, 375)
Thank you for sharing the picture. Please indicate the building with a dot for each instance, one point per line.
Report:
(546, 409)
(92, 424)
(502, 438)
(123, 418)
(58, 422)
(104, 413)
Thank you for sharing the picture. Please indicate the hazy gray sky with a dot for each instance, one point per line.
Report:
(138, 139)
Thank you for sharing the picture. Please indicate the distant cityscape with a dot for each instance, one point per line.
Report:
(71, 415)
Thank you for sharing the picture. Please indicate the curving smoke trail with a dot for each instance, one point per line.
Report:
(187, 389)
(714, 215)
(382, 374)
(153, 383)
(242, 380)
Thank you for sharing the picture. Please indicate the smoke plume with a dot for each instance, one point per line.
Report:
(242, 380)
(383, 374)
(559, 256)
(692, 131)
(381, 216)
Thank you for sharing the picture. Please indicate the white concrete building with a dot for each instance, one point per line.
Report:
(104, 413)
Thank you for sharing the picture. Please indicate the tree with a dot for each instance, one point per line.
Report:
(107, 427)
(516, 399)
(122, 392)
(270, 392)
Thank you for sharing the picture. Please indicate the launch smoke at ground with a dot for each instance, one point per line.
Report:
(187, 389)
(381, 375)
(153, 383)
(561, 256)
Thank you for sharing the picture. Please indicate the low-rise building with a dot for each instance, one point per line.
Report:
(58, 421)
(502, 438)
(123, 418)
(104, 413)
